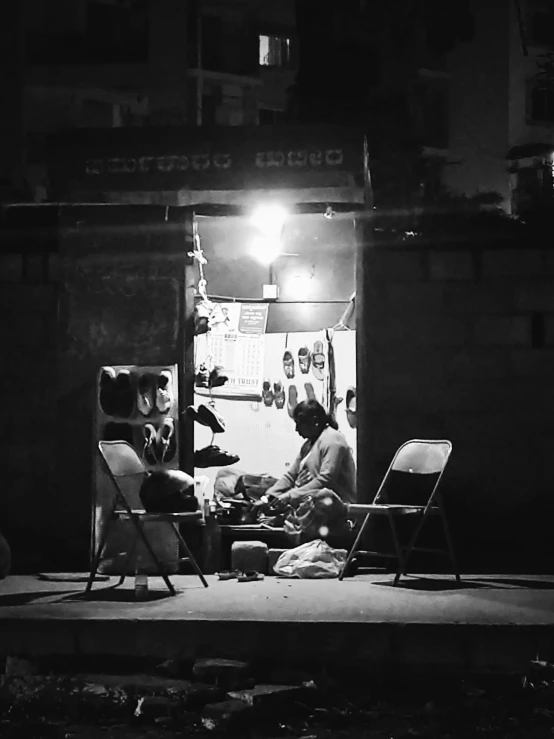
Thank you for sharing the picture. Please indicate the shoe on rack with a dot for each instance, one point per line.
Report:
(149, 448)
(164, 391)
(145, 394)
(107, 390)
(166, 441)
(217, 377)
(213, 456)
(124, 395)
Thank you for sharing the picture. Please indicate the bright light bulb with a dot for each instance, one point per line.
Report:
(269, 219)
(266, 248)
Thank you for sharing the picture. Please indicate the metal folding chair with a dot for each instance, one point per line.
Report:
(415, 457)
(121, 460)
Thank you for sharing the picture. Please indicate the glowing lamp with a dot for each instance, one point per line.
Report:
(270, 219)
(266, 248)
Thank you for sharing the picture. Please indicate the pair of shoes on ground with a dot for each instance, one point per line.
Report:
(210, 379)
(213, 456)
(306, 359)
(248, 576)
(206, 415)
(119, 396)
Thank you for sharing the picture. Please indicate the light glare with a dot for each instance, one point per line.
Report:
(269, 219)
(266, 249)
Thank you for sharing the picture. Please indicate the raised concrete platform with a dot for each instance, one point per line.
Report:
(496, 623)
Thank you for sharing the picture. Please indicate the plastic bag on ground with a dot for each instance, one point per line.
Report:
(314, 559)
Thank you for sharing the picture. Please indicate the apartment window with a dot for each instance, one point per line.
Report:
(267, 117)
(275, 51)
(541, 105)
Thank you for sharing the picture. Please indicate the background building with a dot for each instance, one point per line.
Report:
(444, 90)
(501, 111)
(117, 63)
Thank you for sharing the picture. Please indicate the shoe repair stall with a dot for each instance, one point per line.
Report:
(242, 284)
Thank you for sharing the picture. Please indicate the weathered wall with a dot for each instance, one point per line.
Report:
(458, 342)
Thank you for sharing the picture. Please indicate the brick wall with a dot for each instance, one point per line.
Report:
(458, 343)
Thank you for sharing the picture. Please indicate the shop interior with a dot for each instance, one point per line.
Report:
(274, 318)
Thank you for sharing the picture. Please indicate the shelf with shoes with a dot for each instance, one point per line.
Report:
(137, 404)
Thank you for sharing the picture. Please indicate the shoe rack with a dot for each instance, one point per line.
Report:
(138, 405)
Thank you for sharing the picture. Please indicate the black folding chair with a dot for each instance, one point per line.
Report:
(121, 460)
(416, 457)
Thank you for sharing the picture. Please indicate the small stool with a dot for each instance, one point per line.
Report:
(249, 555)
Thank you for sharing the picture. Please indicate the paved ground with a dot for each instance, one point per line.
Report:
(487, 623)
(502, 600)
(493, 623)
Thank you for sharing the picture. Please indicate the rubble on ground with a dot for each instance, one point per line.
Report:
(217, 697)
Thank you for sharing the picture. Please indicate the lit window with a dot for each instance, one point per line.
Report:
(275, 51)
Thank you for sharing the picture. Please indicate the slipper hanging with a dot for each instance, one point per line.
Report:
(288, 365)
(208, 416)
(202, 378)
(293, 400)
(310, 392)
(304, 360)
(279, 394)
(267, 393)
(318, 360)
(351, 407)
(217, 377)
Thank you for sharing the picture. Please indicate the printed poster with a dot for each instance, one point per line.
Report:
(236, 343)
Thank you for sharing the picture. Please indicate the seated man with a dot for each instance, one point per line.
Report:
(322, 479)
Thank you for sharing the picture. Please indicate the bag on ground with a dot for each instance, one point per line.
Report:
(314, 559)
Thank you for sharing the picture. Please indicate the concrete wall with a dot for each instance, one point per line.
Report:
(457, 342)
